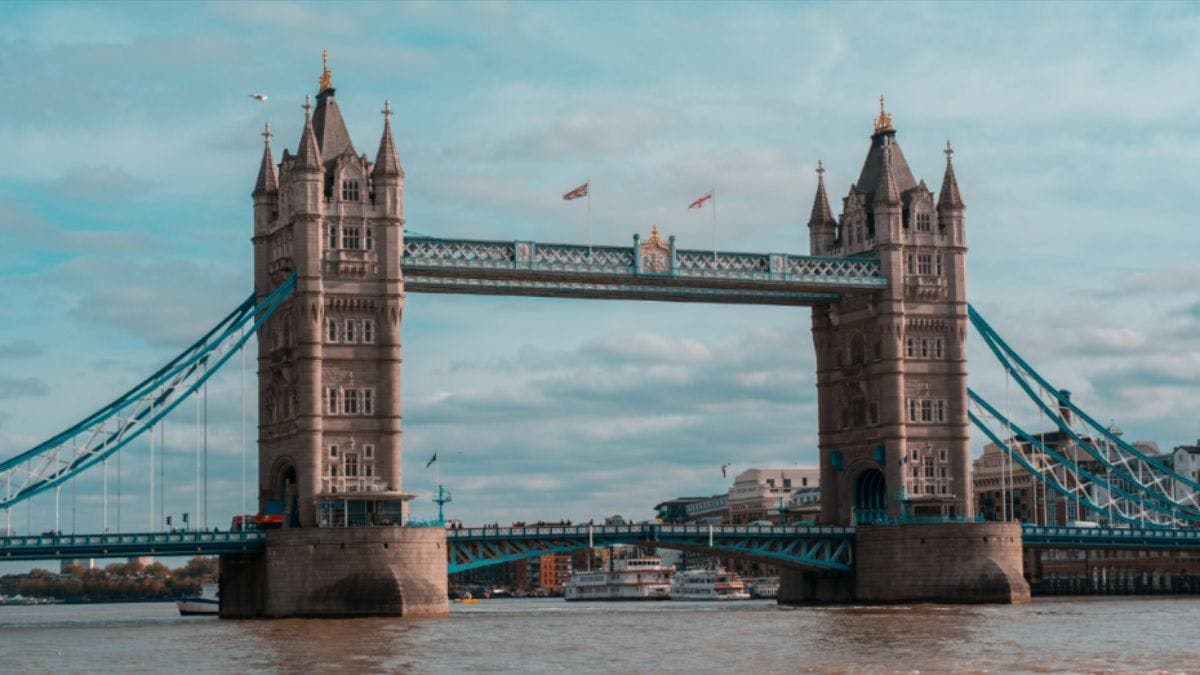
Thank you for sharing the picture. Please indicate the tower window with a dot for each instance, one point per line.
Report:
(926, 411)
(333, 236)
(351, 331)
(924, 263)
(370, 237)
(924, 223)
(368, 331)
(350, 401)
(939, 349)
(350, 191)
(369, 451)
(333, 451)
(940, 410)
(856, 350)
(912, 410)
(332, 330)
(351, 465)
(909, 348)
(350, 238)
(368, 402)
(937, 261)
(331, 400)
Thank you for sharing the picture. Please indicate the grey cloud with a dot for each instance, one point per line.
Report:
(108, 184)
(21, 387)
(20, 349)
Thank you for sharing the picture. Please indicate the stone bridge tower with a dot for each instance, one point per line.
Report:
(329, 359)
(891, 365)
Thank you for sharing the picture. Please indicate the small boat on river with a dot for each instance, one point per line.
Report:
(206, 603)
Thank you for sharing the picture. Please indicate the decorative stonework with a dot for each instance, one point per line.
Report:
(655, 254)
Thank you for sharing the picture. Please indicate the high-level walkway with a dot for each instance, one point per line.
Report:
(648, 270)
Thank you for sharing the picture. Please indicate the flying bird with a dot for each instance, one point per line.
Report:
(258, 97)
(723, 468)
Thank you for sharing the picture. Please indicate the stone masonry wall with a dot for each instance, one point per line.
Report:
(948, 562)
(368, 571)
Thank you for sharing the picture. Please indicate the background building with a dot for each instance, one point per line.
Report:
(764, 494)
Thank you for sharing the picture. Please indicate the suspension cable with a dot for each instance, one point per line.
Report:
(204, 519)
(243, 356)
(150, 517)
(196, 512)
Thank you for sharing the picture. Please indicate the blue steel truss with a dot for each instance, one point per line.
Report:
(566, 270)
(811, 548)
(97, 436)
(72, 546)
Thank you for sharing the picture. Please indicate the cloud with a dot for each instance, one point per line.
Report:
(20, 349)
(107, 184)
(20, 387)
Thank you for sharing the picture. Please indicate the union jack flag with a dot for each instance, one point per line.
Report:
(700, 202)
(581, 191)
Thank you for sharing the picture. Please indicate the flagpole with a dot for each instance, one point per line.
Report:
(713, 192)
(589, 217)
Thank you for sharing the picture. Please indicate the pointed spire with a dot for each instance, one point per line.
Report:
(308, 156)
(949, 198)
(267, 181)
(387, 161)
(821, 213)
(326, 76)
(887, 194)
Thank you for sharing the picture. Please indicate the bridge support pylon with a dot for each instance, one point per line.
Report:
(942, 562)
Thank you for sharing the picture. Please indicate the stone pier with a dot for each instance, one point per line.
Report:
(339, 572)
(946, 562)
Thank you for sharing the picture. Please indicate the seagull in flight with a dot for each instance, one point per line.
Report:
(258, 97)
(723, 469)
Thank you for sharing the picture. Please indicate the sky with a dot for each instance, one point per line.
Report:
(129, 147)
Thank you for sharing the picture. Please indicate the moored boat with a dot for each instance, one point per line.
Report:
(205, 603)
(627, 579)
(707, 584)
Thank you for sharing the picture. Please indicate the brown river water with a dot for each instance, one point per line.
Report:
(1068, 634)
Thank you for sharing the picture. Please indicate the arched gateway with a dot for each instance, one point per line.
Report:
(886, 283)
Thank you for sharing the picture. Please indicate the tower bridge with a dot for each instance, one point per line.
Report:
(885, 282)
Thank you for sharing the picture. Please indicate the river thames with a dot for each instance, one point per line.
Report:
(1076, 634)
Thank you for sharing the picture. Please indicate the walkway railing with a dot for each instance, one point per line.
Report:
(67, 546)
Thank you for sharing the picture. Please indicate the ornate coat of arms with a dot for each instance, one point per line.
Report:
(655, 253)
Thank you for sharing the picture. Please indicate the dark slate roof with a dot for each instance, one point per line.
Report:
(949, 197)
(308, 156)
(332, 137)
(821, 213)
(387, 162)
(872, 171)
(267, 181)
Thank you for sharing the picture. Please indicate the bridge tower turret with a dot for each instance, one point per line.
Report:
(891, 369)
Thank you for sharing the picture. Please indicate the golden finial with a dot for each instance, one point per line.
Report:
(949, 151)
(820, 170)
(884, 121)
(654, 234)
(326, 76)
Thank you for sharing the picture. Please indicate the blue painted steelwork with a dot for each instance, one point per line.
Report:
(1035, 536)
(1156, 492)
(814, 548)
(99, 435)
(434, 265)
(71, 546)
(1075, 492)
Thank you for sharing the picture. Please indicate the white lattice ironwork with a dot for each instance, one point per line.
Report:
(835, 269)
(749, 264)
(460, 253)
(569, 257)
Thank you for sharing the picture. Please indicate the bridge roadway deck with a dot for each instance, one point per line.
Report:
(820, 547)
(433, 265)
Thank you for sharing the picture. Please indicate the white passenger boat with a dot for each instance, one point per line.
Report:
(205, 603)
(706, 584)
(763, 587)
(628, 579)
